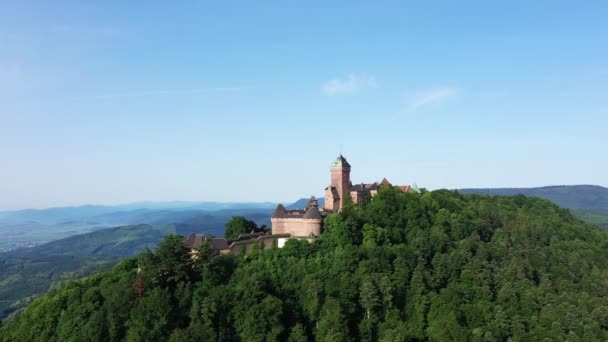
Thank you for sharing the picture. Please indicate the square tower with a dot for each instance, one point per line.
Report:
(340, 179)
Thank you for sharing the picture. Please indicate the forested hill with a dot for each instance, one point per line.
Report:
(588, 202)
(589, 197)
(438, 266)
(29, 272)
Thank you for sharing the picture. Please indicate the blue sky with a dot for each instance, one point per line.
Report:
(250, 101)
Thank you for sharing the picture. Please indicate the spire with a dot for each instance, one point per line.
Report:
(385, 181)
(416, 188)
(312, 203)
(340, 162)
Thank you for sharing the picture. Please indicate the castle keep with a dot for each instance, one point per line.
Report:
(340, 184)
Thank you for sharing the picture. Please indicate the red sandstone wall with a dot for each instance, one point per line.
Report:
(340, 178)
(330, 203)
(296, 227)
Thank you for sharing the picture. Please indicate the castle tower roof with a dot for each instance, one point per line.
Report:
(312, 203)
(340, 162)
(385, 181)
(279, 212)
(312, 213)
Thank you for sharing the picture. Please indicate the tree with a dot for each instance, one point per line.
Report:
(386, 288)
(239, 225)
(216, 311)
(297, 334)
(312, 289)
(331, 323)
(600, 315)
(343, 228)
(180, 335)
(261, 321)
(150, 317)
(202, 261)
(373, 236)
(370, 300)
(174, 261)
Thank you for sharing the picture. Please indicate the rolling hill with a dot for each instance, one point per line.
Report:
(28, 272)
(588, 197)
(588, 202)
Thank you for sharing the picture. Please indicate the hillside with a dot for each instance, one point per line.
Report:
(596, 217)
(588, 197)
(588, 202)
(438, 266)
(31, 271)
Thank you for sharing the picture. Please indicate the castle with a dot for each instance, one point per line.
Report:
(304, 223)
(341, 186)
(308, 223)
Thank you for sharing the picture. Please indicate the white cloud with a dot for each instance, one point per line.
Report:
(431, 96)
(351, 84)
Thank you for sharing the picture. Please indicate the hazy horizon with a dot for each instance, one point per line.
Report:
(288, 201)
(250, 102)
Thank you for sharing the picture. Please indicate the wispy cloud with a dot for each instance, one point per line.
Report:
(431, 96)
(144, 93)
(351, 84)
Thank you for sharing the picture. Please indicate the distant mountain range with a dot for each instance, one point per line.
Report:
(26, 228)
(302, 202)
(97, 213)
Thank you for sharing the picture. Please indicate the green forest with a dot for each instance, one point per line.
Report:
(436, 266)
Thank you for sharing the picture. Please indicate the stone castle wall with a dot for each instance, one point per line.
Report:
(330, 202)
(340, 178)
(296, 226)
(265, 242)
